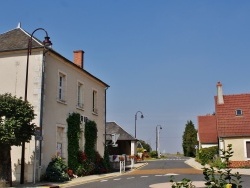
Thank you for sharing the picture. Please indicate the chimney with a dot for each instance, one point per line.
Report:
(220, 99)
(79, 58)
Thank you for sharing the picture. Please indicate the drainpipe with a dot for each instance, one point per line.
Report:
(106, 117)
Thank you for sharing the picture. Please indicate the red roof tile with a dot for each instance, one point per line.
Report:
(207, 129)
(229, 124)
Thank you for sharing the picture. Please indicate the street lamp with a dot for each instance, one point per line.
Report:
(46, 43)
(157, 140)
(136, 119)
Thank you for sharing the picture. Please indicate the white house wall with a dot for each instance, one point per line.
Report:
(238, 147)
(56, 113)
(12, 76)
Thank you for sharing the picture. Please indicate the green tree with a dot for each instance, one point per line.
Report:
(145, 146)
(16, 127)
(189, 140)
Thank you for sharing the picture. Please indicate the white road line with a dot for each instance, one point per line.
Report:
(159, 175)
(103, 180)
(171, 174)
(117, 179)
(144, 176)
(130, 178)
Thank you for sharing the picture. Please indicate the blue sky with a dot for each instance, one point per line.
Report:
(161, 57)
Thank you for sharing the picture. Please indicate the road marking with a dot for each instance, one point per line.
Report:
(144, 176)
(130, 178)
(117, 179)
(103, 180)
(158, 175)
(171, 174)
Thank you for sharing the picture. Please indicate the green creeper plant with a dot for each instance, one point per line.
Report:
(90, 135)
(74, 133)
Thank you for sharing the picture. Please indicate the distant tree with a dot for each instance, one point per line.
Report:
(189, 140)
(15, 127)
(145, 145)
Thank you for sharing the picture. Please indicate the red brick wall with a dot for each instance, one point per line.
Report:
(239, 164)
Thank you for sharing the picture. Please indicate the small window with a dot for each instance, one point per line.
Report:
(61, 87)
(238, 112)
(80, 95)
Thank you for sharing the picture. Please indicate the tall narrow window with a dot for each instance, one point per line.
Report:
(95, 102)
(248, 149)
(61, 87)
(80, 95)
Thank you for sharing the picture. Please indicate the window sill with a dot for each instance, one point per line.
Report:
(80, 108)
(62, 101)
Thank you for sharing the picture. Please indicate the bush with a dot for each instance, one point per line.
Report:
(154, 154)
(57, 170)
(206, 155)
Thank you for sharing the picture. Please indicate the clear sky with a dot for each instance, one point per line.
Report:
(161, 57)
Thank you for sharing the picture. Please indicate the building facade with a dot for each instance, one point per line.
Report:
(230, 124)
(56, 88)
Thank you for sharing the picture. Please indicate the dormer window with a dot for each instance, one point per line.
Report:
(238, 112)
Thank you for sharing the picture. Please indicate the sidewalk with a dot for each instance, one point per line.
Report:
(80, 180)
(76, 181)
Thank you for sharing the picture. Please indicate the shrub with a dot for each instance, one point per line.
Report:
(154, 154)
(206, 155)
(57, 170)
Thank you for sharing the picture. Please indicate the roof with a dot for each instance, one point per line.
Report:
(207, 129)
(229, 124)
(17, 39)
(114, 128)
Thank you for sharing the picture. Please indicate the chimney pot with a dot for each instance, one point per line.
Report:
(220, 99)
(79, 58)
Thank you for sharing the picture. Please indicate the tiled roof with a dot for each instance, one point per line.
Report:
(229, 124)
(114, 128)
(16, 39)
(207, 129)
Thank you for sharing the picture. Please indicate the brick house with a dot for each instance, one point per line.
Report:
(230, 124)
(56, 87)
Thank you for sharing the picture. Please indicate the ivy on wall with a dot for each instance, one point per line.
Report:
(74, 133)
(90, 135)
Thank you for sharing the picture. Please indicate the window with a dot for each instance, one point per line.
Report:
(248, 149)
(59, 149)
(95, 102)
(79, 95)
(238, 112)
(62, 87)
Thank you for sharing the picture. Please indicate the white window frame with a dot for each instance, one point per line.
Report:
(80, 95)
(62, 87)
(94, 101)
(240, 112)
(245, 148)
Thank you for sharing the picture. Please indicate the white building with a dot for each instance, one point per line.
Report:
(56, 88)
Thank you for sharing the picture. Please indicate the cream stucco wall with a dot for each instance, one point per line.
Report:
(55, 113)
(12, 80)
(238, 146)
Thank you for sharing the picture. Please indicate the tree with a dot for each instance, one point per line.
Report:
(145, 145)
(189, 139)
(15, 127)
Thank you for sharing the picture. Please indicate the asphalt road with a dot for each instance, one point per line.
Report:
(156, 172)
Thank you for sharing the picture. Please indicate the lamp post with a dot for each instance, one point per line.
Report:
(136, 119)
(46, 43)
(157, 140)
